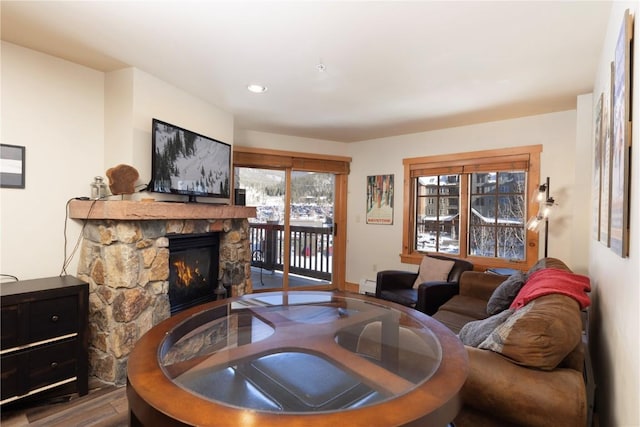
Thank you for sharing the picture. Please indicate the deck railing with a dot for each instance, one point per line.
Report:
(311, 249)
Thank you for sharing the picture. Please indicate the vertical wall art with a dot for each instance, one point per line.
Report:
(597, 169)
(605, 152)
(621, 141)
(12, 166)
(380, 199)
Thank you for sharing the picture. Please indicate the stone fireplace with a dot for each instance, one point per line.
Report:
(125, 259)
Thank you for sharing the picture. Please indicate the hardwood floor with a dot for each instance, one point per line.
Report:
(104, 406)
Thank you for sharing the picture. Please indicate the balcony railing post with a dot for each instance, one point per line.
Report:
(270, 246)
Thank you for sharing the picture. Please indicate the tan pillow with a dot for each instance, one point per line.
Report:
(540, 334)
(548, 263)
(432, 270)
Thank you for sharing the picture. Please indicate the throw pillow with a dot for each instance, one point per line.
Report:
(540, 334)
(432, 270)
(475, 332)
(504, 294)
(548, 263)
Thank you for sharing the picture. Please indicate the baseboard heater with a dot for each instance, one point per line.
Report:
(367, 287)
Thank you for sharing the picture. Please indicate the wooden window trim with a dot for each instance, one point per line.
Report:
(518, 158)
(277, 159)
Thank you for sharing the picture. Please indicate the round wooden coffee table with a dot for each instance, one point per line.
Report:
(301, 358)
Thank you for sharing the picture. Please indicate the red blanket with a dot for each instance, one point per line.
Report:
(554, 281)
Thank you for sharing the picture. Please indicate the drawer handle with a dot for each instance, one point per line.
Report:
(55, 318)
(54, 365)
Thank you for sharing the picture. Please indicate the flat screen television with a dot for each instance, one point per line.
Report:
(189, 164)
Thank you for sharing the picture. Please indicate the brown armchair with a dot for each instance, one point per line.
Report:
(397, 286)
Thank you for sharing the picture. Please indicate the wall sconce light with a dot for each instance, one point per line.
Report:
(545, 203)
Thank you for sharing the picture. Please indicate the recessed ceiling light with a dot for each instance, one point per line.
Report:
(255, 88)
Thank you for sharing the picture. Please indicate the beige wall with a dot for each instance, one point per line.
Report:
(249, 138)
(615, 329)
(56, 110)
(118, 117)
(583, 162)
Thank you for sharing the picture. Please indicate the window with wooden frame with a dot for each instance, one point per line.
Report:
(472, 205)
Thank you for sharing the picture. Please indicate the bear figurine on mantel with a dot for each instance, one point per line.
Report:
(122, 179)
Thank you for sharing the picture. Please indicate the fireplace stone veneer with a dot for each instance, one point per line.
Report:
(125, 259)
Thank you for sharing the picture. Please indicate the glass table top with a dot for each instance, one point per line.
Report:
(299, 352)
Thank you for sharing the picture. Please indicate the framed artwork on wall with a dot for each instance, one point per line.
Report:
(380, 199)
(12, 166)
(621, 140)
(597, 169)
(605, 165)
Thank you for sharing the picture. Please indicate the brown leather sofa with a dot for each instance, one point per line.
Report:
(537, 376)
(397, 286)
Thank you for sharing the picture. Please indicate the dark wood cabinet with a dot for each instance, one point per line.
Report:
(44, 339)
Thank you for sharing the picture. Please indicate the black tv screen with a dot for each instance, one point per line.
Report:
(187, 163)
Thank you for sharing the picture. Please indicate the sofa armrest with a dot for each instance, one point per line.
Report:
(479, 285)
(394, 279)
(431, 295)
(521, 395)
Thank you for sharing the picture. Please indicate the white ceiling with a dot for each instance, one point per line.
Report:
(392, 67)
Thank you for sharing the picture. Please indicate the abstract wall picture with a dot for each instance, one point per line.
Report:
(12, 166)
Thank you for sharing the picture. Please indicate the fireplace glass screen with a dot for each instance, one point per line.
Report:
(193, 269)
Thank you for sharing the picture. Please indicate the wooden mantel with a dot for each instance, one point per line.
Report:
(127, 210)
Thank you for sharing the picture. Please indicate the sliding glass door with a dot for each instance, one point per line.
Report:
(311, 226)
(292, 235)
(265, 189)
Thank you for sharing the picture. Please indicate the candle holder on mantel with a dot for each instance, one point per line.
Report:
(220, 291)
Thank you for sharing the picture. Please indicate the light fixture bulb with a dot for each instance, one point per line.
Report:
(541, 195)
(256, 88)
(547, 207)
(534, 223)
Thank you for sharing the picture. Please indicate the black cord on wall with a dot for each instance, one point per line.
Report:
(8, 276)
(67, 260)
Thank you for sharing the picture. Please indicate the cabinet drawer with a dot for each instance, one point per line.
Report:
(50, 318)
(10, 366)
(9, 326)
(52, 363)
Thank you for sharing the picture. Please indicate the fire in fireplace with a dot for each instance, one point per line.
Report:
(193, 269)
